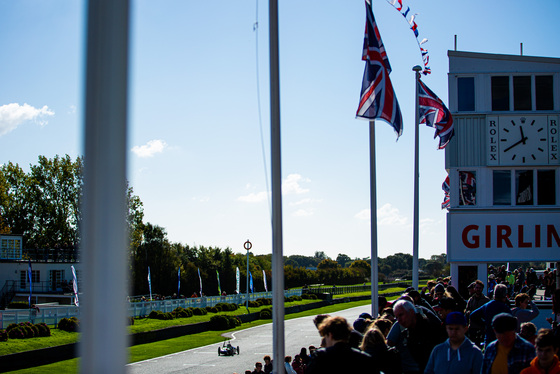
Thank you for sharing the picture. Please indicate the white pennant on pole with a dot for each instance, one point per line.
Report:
(75, 286)
(264, 280)
(237, 279)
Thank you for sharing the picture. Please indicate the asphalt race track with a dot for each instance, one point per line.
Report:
(253, 344)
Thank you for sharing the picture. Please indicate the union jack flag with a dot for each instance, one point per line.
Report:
(377, 98)
(434, 113)
(446, 198)
(468, 188)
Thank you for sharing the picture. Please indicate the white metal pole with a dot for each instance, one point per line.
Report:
(415, 269)
(276, 169)
(373, 218)
(247, 289)
(103, 346)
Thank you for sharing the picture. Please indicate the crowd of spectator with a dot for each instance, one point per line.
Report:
(436, 331)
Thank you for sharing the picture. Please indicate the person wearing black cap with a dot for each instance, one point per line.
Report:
(457, 355)
(510, 353)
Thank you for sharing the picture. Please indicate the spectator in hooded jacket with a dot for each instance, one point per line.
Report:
(546, 361)
(457, 355)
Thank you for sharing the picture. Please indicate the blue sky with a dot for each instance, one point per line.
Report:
(195, 150)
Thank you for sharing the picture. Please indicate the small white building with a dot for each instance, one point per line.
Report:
(51, 273)
(503, 163)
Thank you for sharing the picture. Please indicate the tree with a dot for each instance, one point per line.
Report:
(361, 265)
(343, 260)
(320, 256)
(15, 205)
(43, 205)
(327, 264)
(156, 252)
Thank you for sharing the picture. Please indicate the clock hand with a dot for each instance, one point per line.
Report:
(523, 137)
(516, 144)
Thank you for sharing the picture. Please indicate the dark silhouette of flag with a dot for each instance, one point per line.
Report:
(446, 198)
(434, 113)
(377, 100)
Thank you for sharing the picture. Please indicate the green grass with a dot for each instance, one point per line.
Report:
(165, 347)
(58, 337)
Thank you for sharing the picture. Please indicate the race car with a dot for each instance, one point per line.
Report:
(227, 349)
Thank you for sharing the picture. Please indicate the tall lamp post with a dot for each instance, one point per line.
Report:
(247, 245)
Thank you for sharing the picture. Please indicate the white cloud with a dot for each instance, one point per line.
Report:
(291, 185)
(149, 149)
(253, 197)
(386, 215)
(301, 202)
(303, 213)
(72, 109)
(201, 199)
(12, 115)
(364, 215)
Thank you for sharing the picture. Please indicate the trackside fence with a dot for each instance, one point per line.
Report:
(341, 290)
(52, 314)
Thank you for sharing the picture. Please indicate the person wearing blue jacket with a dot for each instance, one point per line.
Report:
(458, 354)
(486, 313)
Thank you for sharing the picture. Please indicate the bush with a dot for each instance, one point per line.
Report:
(28, 332)
(219, 322)
(234, 321)
(182, 312)
(254, 303)
(18, 305)
(11, 326)
(265, 301)
(309, 296)
(44, 330)
(266, 313)
(27, 329)
(230, 307)
(292, 298)
(158, 314)
(224, 322)
(16, 333)
(199, 311)
(211, 309)
(3, 336)
(69, 324)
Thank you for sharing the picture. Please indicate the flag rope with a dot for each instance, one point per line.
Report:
(405, 11)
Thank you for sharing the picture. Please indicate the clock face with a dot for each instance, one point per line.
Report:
(523, 140)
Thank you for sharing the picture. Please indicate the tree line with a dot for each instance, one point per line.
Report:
(43, 205)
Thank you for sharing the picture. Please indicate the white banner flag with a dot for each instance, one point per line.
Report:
(237, 278)
(75, 284)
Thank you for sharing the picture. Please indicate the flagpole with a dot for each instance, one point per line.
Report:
(373, 218)
(417, 69)
(276, 171)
